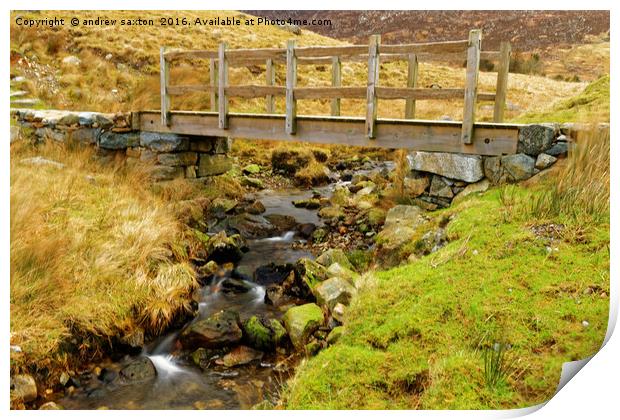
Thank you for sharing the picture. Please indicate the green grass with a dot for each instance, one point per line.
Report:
(590, 105)
(416, 335)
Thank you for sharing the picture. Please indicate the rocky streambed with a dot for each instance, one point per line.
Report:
(276, 282)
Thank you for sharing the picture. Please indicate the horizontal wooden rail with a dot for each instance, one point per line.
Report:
(327, 92)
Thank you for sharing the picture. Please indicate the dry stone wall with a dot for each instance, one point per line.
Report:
(112, 135)
(435, 179)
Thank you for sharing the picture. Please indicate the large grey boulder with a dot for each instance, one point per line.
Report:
(334, 256)
(519, 167)
(451, 165)
(511, 168)
(535, 138)
(164, 142)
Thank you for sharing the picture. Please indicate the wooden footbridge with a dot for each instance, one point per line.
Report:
(467, 136)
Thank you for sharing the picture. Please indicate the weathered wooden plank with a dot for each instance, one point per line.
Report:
(412, 82)
(213, 84)
(255, 91)
(270, 76)
(440, 136)
(329, 51)
(373, 80)
(471, 85)
(328, 92)
(291, 82)
(256, 54)
(426, 94)
(502, 82)
(336, 82)
(164, 80)
(221, 87)
(426, 47)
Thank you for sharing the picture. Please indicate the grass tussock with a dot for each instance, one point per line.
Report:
(581, 191)
(94, 253)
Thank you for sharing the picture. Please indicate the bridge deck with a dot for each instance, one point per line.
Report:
(423, 135)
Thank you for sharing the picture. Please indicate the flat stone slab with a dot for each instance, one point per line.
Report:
(466, 168)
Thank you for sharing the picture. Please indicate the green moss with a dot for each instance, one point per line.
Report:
(415, 333)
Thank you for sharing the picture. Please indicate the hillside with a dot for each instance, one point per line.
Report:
(568, 41)
(117, 68)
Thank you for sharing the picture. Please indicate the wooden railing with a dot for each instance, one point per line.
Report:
(220, 90)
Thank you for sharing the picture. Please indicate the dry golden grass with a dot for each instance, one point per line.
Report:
(93, 253)
(133, 69)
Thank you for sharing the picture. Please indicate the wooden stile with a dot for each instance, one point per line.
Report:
(502, 82)
(213, 84)
(373, 79)
(270, 76)
(471, 85)
(222, 84)
(164, 73)
(412, 82)
(336, 82)
(291, 81)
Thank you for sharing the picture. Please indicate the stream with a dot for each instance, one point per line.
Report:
(179, 383)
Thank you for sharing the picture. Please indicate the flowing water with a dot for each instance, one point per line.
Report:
(179, 383)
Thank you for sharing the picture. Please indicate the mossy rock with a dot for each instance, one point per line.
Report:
(334, 335)
(331, 212)
(251, 169)
(376, 216)
(311, 272)
(337, 270)
(334, 256)
(301, 321)
(319, 235)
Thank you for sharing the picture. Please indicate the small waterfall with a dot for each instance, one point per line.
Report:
(286, 237)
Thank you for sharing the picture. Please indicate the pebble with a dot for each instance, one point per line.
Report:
(585, 323)
(475, 252)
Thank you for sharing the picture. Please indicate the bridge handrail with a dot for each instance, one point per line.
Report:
(292, 56)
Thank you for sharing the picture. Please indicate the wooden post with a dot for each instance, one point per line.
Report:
(412, 82)
(502, 82)
(373, 79)
(291, 81)
(471, 85)
(271, 80)
(336, 82)
(222, 83)
(164, 73)
(213, 84)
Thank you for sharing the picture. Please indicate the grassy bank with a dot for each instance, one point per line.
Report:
(94, 254)
(526, 271)
(591, 104)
